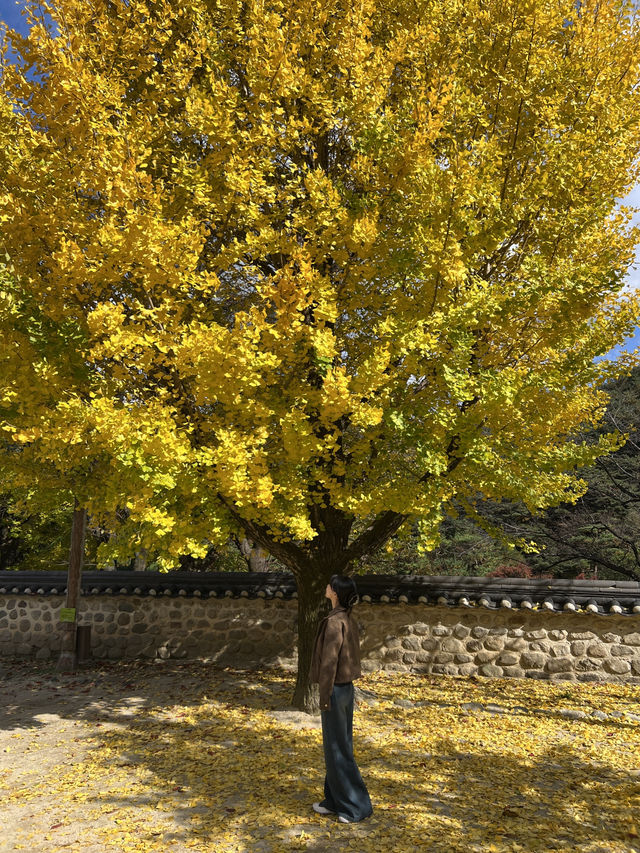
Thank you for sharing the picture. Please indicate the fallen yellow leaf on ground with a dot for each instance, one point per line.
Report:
(193, 757)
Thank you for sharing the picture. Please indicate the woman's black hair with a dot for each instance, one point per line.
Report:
(345, 589)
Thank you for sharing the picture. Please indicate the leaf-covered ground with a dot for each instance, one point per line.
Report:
(135, 756)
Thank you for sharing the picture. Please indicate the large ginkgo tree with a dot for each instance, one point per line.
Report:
(307, 270)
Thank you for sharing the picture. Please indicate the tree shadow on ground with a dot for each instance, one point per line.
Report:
(32, 691)
(193, 760)
(254, 786)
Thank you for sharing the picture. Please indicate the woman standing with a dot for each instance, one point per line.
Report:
(335, 663)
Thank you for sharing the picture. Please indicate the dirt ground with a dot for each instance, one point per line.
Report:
(49, 721)
(140, 756)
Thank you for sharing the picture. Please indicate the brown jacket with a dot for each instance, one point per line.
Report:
(336, 653)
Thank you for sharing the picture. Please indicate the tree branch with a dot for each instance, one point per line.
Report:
(290, 554)
(379, 531)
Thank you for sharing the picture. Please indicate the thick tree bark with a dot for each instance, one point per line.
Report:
(258, 560)
(141, 559)
(68, 661)
(256, 556)
(312, 606)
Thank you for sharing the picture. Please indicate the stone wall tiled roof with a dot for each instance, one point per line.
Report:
(615, 597)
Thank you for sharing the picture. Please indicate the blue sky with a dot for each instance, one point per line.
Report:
(633, 276)
(9, 12)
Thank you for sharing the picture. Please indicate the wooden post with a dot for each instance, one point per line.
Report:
(67, 662)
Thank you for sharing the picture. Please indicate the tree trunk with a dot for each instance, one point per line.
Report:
(140, 562)
(67, 662)
(312, 606)
(258, 559)
(255, 555)
(330, 553)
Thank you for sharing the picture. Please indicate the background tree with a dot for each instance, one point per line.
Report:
(10, 546)
(278, 268)
(600, 534)
(39, 540)
(256, 558)
(463, 549)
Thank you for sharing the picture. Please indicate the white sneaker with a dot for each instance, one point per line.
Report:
(321, 809)
(343, 819)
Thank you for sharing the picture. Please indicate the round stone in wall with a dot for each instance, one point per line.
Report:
(490, 670)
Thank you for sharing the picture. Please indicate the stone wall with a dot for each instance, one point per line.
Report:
(225, 629)
(394, 636)
(475, 641)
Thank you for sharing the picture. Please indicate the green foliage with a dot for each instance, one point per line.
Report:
(598, 535)
(39, 540)
(463, 549)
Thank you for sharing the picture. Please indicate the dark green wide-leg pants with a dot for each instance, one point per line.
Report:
(344, 790)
